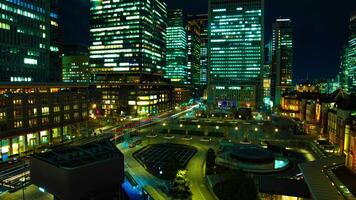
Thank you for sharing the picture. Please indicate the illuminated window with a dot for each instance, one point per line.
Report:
(18, 124)
(45, 110)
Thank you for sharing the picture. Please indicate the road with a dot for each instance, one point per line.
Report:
(196, 174)
(195, 167)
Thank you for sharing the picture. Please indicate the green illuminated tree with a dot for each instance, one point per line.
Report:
(180, 187)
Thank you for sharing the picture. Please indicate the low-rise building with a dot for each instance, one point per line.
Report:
(339, 115)
(33, 115)
(350, 144)
(44, 114)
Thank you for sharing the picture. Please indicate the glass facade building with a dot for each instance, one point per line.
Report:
(75, 64)
(177, 69)
(127, 55)
(128, 39)
(351, 56)
(203, 22)
(282, 59)
(235, 52)
(194, 45)
(29, 43)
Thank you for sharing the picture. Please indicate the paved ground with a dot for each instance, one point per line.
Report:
(347, 178)
(31, 193)
(195, 168)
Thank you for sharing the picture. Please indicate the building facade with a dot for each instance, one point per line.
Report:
(29, 41)
(34, 115)
(282, 58)
(204, 24)
(194, 46)
(128, 40)
(56, 44)
(177, 69)
(127, 56)
(351, 56)
(75, 64)
(117, 100)
(235, 52)
(350, 145)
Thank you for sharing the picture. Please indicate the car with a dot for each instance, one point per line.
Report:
(205, 139)
(187, 137)
(169, 137)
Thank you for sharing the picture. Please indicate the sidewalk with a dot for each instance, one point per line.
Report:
(31, 192)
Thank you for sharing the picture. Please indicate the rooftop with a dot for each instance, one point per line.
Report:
(319, 184)
(76, 156)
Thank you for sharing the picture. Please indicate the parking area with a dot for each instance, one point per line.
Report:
(159, 159)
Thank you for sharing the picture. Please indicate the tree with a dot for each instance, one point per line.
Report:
(180, 188)
(238, 186)
(210, 161)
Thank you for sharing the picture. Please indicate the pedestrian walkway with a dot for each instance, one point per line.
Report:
(30, 192)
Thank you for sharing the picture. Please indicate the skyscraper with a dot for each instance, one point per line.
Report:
(282, 58)
(194, 45)
(203, 21)
(128, 40)
(177, 69)
(56, 44)
(127, 55)
(28, 51)
(344, 74)
(235, 52)
(351, 55)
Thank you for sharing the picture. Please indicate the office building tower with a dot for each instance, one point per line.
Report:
(194, 45)
(203, 23)
(29, 43)
(56, 44)
(75, 64)
(344, 74)
(127, 55)
(351, 55)
(282, 58)
(235, 53)
(128, 40)
(177, 69)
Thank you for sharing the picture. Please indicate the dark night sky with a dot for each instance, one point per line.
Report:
(320, 29)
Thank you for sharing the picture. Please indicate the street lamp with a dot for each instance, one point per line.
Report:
(276, 130)
(181, 125)
(236, 128)
(217, 127)
(256, 129)
(199, 126)
(164, 124)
